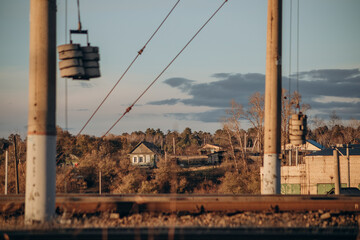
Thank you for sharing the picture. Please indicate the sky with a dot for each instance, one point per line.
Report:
(225, 61)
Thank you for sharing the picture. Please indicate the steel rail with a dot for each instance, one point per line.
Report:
(82, 203)
(197, 233)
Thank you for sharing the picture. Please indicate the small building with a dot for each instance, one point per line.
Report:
(308, 146)
(295, 154)
(214, 153)
(209, 154)
(316, 174)
(145, 154)
(209, 148)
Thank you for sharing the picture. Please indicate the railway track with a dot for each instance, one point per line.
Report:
(168, 203)
(90, 216)
(188, 233)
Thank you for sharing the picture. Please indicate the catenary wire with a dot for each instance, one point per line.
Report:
(127, 69)
(152, 83)
(297, 47)
(66, 80)
(290, 39)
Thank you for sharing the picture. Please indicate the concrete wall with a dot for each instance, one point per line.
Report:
(318, 172)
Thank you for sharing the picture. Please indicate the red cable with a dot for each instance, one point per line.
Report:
(139, 53)
(129, 108)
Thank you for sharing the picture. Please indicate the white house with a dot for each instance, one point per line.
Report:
(145, 154)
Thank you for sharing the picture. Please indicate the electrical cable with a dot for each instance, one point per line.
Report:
(127, 69)
(297, 50)
(152, 83)
(290, 39)
(66, 80)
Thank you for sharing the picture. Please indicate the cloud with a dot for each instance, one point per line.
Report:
(334, 85)
(171, 101)
(211, 116)
(219, 93)
(181, 83)
(330, 82)
(345, 110)
(330, 75)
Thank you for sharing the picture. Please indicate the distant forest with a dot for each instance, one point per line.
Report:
(238, 172)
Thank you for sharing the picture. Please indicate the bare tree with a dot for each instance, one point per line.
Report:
(235, 113)
(229, 135)
(352, 134)
(334, 120)
(255, 115)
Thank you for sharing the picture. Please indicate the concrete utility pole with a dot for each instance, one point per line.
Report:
(271, 179)
(41, 143)
(348, 165)
(336, 171)
(16, 166)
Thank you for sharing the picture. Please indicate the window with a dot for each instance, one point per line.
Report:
(147, 158)
(287, 188)
(324, 188)
(135, 159)
(141, 159)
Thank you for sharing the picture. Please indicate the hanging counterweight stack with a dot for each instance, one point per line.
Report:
(77, 62)
(71, 64)
(297, 129)
(91, 59)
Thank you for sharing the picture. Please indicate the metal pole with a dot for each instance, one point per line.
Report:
(272, 136)
(245, 142)
(6, 171)
(290, 157)
(174, 150)
(348, 164)
(336, 171)
(16, 167)
(99, 182)
(41, 143)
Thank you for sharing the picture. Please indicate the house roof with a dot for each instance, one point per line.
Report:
(354, 151)
(316, 144)
(310, 145)
(152, 147)
(208, 145)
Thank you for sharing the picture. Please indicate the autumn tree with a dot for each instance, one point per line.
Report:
(232, 127)
(255, 115)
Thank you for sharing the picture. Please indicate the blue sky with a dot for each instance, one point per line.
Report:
(226, 61)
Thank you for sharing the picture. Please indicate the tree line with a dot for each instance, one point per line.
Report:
(239, 172)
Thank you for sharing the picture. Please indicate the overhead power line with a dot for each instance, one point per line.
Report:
(290, 29)
(66, 80)
(127, 69)
(171, 62)
(297, 46)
